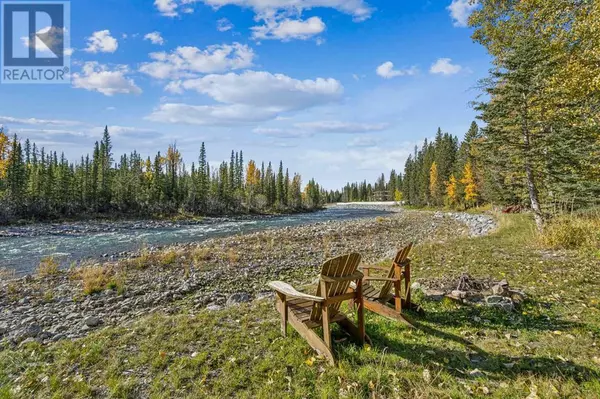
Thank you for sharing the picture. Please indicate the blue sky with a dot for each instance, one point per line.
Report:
(338, 89)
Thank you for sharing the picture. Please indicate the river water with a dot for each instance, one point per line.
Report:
(22, 248)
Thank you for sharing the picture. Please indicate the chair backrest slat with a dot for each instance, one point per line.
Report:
(401, 257)
(341, 266)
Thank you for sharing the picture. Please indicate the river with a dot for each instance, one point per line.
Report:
(22, 248)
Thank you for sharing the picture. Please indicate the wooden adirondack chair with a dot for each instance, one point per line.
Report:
(307, 312)
(398, 275)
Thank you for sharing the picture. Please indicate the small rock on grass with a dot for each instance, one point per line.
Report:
(93, 322)
(476, 373)
(501, 302)
(238, 298)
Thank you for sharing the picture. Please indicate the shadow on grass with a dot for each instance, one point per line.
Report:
(527, 317)
(460, 362)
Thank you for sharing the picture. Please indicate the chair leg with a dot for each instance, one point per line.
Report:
(360, 312)
(326, 327)
(283, 309)
(313, 339)
(398, 289)
(407, 284)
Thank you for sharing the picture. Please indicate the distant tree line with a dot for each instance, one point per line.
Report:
(35, 184)
(472, 172)
(382, 190)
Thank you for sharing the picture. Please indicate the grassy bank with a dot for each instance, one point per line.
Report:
(549, 348)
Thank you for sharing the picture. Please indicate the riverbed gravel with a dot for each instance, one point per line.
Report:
(213, 274)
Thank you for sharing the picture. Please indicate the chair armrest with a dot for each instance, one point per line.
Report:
(380, 279)
(385, 269)
(353, 277)
(406, 262)
(289, 291)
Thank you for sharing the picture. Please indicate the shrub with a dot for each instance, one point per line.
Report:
(168, 258)
(117, 283)
(7, 274)
(48, 267)
(232, 256)
(201, 254)
(94, 279)
(571, 232)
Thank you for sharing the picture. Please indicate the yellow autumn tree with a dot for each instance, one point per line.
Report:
(3, 153)
(398, 196)
(452, 190)
(434, 183)
(252, 174)
(468, 181)
(148, 175)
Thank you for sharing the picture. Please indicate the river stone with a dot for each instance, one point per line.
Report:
(26, 341)
(30, 332)
(517, 296)
(458, 294)
(476, 373)
(501, 288)
(497, 301)
(237, 298)
(434, 295)
(415, 286)
(58, 337)
(93, 322)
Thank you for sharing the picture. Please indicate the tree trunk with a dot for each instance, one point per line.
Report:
(531, 186)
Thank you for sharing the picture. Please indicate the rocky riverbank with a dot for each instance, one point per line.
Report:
(212, 274)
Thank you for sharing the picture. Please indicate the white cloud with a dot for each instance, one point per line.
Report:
(341, 127)
(36, 122)
(387, 71)
(126, 132)
(155, 38)
(101, 42)
(215, 115)
(363, 141)
(286, 29)
(359, 9)
(97, 77)
(444, 66)
(167, 8)
(281, 133)
(187, 61)
(460, 10)
(223, 25)
(368, 158)
(247, 97)
(263, 89)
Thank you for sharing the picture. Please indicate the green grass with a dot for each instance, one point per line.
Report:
(548, 348)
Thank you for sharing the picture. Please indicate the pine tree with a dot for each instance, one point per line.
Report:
(280, 190)
(434, 184)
